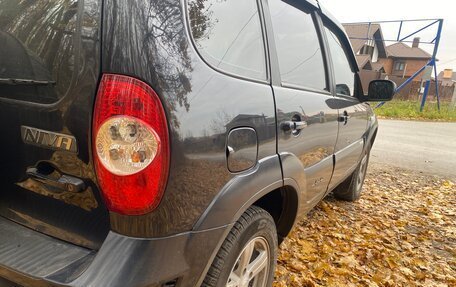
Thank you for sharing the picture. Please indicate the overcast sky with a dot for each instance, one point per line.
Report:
(369, 10)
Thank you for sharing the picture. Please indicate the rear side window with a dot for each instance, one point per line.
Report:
(37, 49)
(228, 35)
(298, 46)
(343, 73)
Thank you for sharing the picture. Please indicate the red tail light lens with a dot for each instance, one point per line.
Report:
(130, 145)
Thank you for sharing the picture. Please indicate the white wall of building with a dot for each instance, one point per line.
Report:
(375, 54)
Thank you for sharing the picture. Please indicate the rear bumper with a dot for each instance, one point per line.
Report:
(39, 260)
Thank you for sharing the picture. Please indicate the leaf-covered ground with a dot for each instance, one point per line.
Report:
(402, 232)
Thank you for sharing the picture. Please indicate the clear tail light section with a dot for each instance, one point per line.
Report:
(130, 145)
(126, 145)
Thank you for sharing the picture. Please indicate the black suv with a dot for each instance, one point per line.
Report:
(171, 143)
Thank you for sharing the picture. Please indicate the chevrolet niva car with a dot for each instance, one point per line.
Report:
(171, 143)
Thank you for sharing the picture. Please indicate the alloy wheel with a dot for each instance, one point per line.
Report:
(252, 266)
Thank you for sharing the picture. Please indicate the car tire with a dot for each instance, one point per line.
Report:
(350, 189)
(248, 253)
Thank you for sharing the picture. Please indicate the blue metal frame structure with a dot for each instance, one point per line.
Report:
(431, 63)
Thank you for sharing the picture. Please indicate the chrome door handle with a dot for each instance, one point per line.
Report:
(300, 125)
(62, 183)
(344, 118)
(293, 126)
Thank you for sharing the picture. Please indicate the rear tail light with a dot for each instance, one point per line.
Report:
(130, 144)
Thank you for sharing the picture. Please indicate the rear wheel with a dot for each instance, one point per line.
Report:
(350, 189)
(247, 257)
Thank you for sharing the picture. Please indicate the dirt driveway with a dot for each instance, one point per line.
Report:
(402, 232)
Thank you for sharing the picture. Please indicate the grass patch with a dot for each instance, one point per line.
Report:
(410, 110)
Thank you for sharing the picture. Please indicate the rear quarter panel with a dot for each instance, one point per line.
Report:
(150, 40)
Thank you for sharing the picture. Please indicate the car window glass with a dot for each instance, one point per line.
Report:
(298, 47)
(228, 35)
(37, 49)
(344, 76)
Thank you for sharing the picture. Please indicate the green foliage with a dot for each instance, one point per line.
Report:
(410, 110)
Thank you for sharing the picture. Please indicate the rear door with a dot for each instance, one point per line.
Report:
(352, 114)
(49, 68)
(307, 125)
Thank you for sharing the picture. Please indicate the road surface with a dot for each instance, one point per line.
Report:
(428, 147)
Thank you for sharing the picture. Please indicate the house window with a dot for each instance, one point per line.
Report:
(367, 50)
(399, 66)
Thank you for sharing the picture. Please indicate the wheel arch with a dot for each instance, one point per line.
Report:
(373, 135)
(263, 187)
(372, 130)
(282, 204)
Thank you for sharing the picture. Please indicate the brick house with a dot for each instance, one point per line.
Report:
(368, 53)
(397, 60)
(447, 78)
(403, 61)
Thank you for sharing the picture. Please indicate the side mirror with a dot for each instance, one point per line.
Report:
(380, 91)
